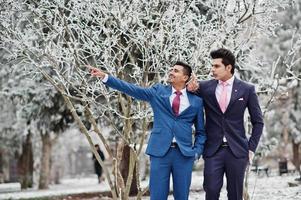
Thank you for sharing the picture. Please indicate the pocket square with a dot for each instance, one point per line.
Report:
(240, 99)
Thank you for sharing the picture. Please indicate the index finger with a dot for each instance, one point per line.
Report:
(193, 76)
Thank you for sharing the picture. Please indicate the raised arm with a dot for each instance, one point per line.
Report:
(192, 85)
(135, 91)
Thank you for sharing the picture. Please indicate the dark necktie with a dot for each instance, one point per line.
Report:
(176, 103)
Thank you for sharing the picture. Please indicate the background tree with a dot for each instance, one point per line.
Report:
(11, 138)
(46, 116)
(285, 112)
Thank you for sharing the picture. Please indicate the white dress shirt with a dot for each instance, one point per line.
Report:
(105, 79)
(184, 102)
(219, 88)
(218, 92)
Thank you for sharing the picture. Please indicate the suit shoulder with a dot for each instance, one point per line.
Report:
(247, 84)
(204, 86)
(206, 82)
(160, 86)
(197, 99)
(157, 86)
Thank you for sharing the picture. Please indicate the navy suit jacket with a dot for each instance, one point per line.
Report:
(166, 124)
(231, 123)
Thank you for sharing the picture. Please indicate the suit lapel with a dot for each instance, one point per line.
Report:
(235, 92)
(212, 95)
(168, 105)
(166, 99)
(190, 99)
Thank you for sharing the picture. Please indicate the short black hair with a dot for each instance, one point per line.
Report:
(187, 69)
(226, 55)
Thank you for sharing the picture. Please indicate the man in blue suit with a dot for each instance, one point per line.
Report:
(171, 146)
(227, 149)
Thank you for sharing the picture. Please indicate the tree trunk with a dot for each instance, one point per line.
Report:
(296, 157)
(1, 166)
(246, 195)
(284, 151)
(25, 164)
(124, 168)
(45, 161)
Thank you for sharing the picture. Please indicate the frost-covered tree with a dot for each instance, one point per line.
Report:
(133, 40)
(41, 110)
(9, 140)
(11, 133)
(32, 111)
(285, 114)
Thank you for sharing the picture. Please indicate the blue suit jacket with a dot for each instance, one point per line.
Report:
(166, 124)
(231, 123)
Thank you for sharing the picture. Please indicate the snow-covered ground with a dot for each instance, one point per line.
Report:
(260, 188)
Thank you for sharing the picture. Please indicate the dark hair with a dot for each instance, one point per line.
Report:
(226, 55)
(187, 69)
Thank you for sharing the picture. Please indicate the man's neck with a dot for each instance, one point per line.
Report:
(178, 87)
(227, 78)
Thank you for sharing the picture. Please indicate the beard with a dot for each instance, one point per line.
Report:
(170, 79)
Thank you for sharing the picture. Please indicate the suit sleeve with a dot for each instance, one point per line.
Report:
(132, 90)
(200, 136)
(256, 119)
(199, 91)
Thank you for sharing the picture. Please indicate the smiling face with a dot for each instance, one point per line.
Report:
(177, 75)
(220, 71)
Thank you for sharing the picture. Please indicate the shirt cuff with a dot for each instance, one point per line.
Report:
(105, 79)
(196, 156)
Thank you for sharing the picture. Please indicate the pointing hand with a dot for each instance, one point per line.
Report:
(96, 72)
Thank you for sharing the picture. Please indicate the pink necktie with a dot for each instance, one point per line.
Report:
(223, 98)
(176, 103)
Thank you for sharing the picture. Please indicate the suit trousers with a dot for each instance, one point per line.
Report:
(224, 162)
(175, 164)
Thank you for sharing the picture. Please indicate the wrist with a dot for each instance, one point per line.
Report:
(196, 156)
(105, 78)
(102, 76)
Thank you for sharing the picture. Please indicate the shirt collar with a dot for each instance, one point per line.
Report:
(183, 91)
(229, 81)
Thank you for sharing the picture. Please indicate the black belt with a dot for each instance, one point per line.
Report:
(173, 145)
(224, 144)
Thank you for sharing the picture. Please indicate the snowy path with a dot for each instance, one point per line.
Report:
(267, 188)
(68, 186)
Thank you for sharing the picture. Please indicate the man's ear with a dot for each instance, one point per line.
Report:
(187, 79)
(229, 67)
